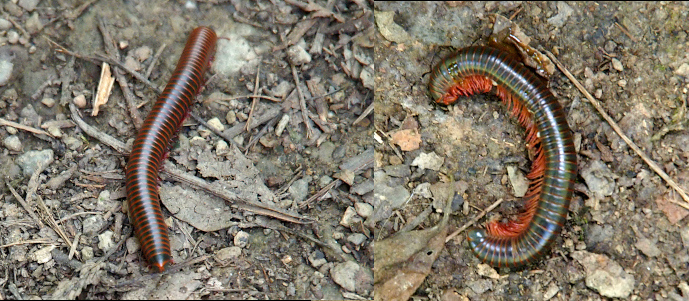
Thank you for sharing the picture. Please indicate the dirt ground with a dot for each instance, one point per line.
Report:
(272, 212)
(624, 237)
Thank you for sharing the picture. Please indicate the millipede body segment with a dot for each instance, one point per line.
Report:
(153, 141)
(483, 69)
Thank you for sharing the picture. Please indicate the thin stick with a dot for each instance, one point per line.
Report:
(473, 220)
(254, 98)
(103, 58)
(368, 111)
(155, 60)
(32, 241)
(260, 134)
(624, 30)
(129, 97)
(320, 193)
(622, 135)
(23, 127)
(24, 204)
(212, 129)
(302, 104)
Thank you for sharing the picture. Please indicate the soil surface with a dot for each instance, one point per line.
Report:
(272, 212)
(624, 237)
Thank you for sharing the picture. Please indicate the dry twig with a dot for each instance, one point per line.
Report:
(622, 135)
(473, 220)
(302, 103)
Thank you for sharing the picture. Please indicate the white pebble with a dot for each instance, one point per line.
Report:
(48, 102)
(298, 56)
(617, 65)
(221, 148)
(12, 143)
(80, 101)
(241, 239)
(216, 124)
(12, 37)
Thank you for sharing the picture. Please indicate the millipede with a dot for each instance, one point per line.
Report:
(482, 69)
(152, 142)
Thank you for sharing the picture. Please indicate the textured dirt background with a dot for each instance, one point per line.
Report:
(245, 257)
(620, 209)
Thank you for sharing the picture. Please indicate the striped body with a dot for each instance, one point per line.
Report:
(153, 141)
(480, 70)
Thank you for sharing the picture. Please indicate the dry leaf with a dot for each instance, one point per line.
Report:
(674, 213)
(408, 140)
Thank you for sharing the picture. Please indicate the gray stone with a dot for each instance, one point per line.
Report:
(30, 160)
(12, 143)
(28, 5)
(430, 161)
(300, 189)
(5, 71)
(228, 253)
(605, 275)
(92, 224)
(356, 238)
(362, 209)
(241, 239)
(352, 277)
(297, 55)
(5, 24)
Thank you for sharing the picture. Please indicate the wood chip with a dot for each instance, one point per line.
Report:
(104, 88)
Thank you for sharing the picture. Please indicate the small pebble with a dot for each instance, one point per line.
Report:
(12, 37)
(87, 253)
(72, 143)
(4, 24)
(241, 239)
(132, 63)
(241, 116)
(228, 253)
(622, 83)
(105, 241)
(80, 101)
(12, 143)
(55, 131)
(28, 5)
(11, 130)
(204, 132)
(356, 239)
(132, 245)
(123, 44)
(43, 255)
(231, 118)
(142, 53)
(349, 217)
(5, 71)
(364, 210)
(222, 148)
(216, 124)
(33, 24)
(298, 55)
(48, 102)
(617, 65)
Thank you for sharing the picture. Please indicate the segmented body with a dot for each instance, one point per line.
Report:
(482, 69)
(152, 143)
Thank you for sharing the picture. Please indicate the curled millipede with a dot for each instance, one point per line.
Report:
(483, 69)
(152, 143)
